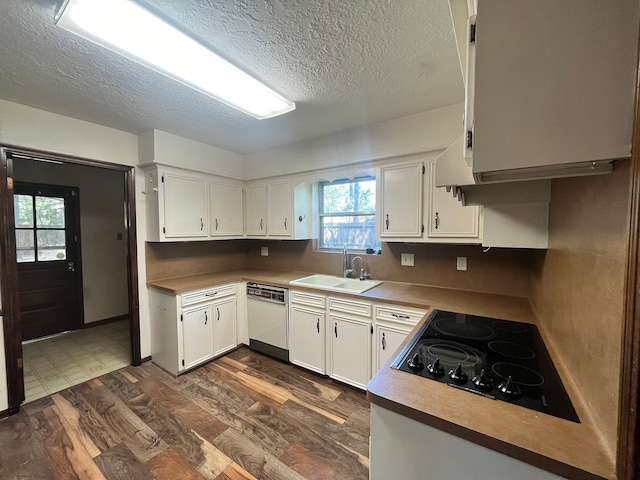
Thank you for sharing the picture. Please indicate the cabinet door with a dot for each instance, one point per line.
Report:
(533, 104)
(307, 347)
(447, 216)
(226, 209)
(350, 350)
(401, 200)
(196, 335)
(279, 208)
(256, 216)
(185, 206)
(224, 330)
(387, 339)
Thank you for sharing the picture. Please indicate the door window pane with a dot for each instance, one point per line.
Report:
(23, 206)
(24, 246)
(50, 212)
(51, 245)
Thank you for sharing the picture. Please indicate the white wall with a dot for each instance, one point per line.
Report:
(165, 148)
(422, 132)
(104, 257)
(29, 127)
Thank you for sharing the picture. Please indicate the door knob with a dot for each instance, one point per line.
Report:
(71, 267)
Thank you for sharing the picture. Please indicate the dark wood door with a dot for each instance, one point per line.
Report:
(48, 256)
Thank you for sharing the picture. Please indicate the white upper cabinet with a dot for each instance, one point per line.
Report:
(177, 204)
(184, 199)
(550, 87)
(256, 210)
(288, 210)
(279, 209)
(400, 193)
(409, 201)
(183, 205)
(447, 217)
(227, 217)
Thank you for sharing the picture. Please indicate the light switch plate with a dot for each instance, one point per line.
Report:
(461, 263)
(264, 251)
(406, 259)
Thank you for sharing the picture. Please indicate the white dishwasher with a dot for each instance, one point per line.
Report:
(268, 314)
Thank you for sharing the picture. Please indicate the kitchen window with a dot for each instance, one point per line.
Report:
(347, 211)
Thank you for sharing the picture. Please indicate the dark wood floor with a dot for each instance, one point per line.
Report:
(239, 417)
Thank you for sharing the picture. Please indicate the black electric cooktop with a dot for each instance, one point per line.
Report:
(498, 359)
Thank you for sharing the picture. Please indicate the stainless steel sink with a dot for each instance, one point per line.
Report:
(336, 284)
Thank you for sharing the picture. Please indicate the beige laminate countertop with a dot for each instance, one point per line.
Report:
(573, 450)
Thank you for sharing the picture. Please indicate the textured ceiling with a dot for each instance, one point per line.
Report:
(346, 63)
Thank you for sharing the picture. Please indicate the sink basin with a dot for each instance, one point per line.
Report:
(318, 280)
(336, 284)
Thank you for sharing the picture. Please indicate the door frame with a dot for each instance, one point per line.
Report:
(9, 270)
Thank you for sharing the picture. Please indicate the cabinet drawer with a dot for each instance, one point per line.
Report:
(393, 313)
(207, 294)
(353, 307)
(309, 299)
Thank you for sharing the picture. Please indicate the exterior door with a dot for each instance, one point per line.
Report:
(48, 255)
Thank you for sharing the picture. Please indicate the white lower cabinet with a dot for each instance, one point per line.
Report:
(387, 339)
(307, 338)
(337, 337)
(350, 341)
(350, 350)
(197, 335)
(191, 328)
(401, 447)
(392, 324)
(224, 326)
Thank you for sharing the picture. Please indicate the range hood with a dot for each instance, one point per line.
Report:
(549, 89)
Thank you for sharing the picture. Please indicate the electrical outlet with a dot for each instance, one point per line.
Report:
(461, 263)
(264, 251)
(406, 259)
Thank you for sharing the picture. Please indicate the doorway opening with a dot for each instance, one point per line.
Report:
(69, 264)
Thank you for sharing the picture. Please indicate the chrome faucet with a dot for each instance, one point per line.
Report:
(363, 273)
(346, 271)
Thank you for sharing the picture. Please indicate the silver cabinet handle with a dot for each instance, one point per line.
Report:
(406, 317)
(318, 325)
(206, 317)
(285, 223)
(218, 310)
(384, 342)
(437, 221)
(201, 225)
(216, 224)
(260, 224)
(386, 222)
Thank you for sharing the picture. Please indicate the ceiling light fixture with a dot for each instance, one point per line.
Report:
(124, 27)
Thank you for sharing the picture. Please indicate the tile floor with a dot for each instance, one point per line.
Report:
(55, 363)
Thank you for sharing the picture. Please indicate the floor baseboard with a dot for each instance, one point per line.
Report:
(106, 321)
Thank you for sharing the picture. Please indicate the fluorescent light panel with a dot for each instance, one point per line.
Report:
(124, 27)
